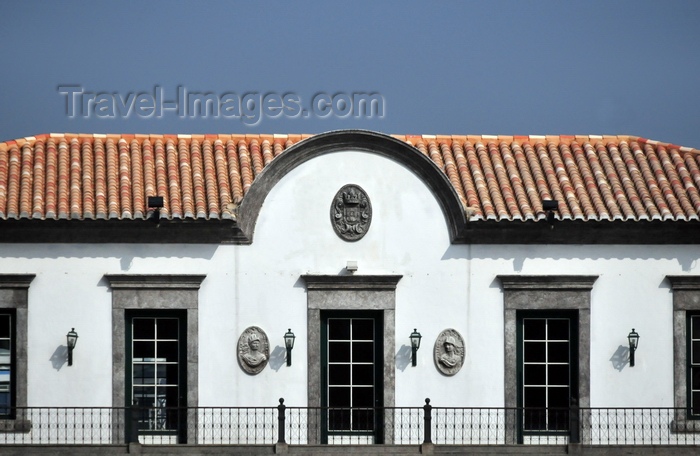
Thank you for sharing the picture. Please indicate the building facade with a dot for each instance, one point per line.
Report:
(523, 262)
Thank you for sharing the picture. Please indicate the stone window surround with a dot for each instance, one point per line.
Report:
(686, 297)
(350, 292)
(154, 292)
(14, 294)
(547, 292)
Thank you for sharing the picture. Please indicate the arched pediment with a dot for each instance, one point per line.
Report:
(355, 140)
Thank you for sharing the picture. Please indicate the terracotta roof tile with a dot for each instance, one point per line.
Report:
(452, 171)
(495, 192)
(83, 176)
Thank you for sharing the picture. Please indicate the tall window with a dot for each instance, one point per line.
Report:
(351, 373)
(553, 299)
(142, 365)
(7, 363)
(352, 366)
(548, 362)
(156, 369)
(693, 358)
(354, 297)
(686, 351)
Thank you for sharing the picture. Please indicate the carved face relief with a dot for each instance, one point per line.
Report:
(449, 352)
(253, 350)
(351, 213)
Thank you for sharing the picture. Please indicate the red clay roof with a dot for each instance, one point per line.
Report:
(78, 176)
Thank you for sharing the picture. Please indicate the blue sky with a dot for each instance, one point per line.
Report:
(434, 67)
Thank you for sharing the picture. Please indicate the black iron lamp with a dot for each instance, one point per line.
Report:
(550, 206)
(633, 339)
(71, 339)
(415, 345)
(289, 343)
(155, 203)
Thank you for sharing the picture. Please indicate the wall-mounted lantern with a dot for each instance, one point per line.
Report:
(633, 339)
(415, 345)
(289, 343)
(71, 339)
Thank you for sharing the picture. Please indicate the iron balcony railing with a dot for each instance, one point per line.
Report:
(317, 425)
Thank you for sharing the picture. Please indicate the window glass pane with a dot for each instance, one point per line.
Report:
(363, 374)
(534, 328)
(557, 329)
(339, 352)
(144, 396)
(167, 328)
(558, 397)
(362, 329)
(535, 374)
(695, 408)
(5, 325)
(172, 417)
(339, 374)
(695, 326)
(696, 352)
(339, 328)
(339, 396)
(144, 351)
(167, 351)
(4, 349)
(535, 419)
(558, 419)
(363, 396)
(143, 374)
(535, 396)
(5, 390)
(5, 402)
(171, 374)
(339, 420)
(363, 420)
(144, 328)
(558, 374)
(558, 352)
(535, 352)
(362, 352)
(695, 374)
(168, 396)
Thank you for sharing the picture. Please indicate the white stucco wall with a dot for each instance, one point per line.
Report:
(443, 286)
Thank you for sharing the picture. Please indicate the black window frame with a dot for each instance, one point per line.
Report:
(181, 408)
(573, 317)
(378, 419)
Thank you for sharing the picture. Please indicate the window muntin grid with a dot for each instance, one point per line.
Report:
(6, 363)
(546, 373)
(156, 371)
(351, 374)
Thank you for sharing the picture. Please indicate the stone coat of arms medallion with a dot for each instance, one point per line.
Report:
(351, 213)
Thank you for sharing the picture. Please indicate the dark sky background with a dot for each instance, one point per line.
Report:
(442, 67)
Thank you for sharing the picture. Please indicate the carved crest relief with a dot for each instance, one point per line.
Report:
(449, 352)
(253, 350)
(351, 213)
